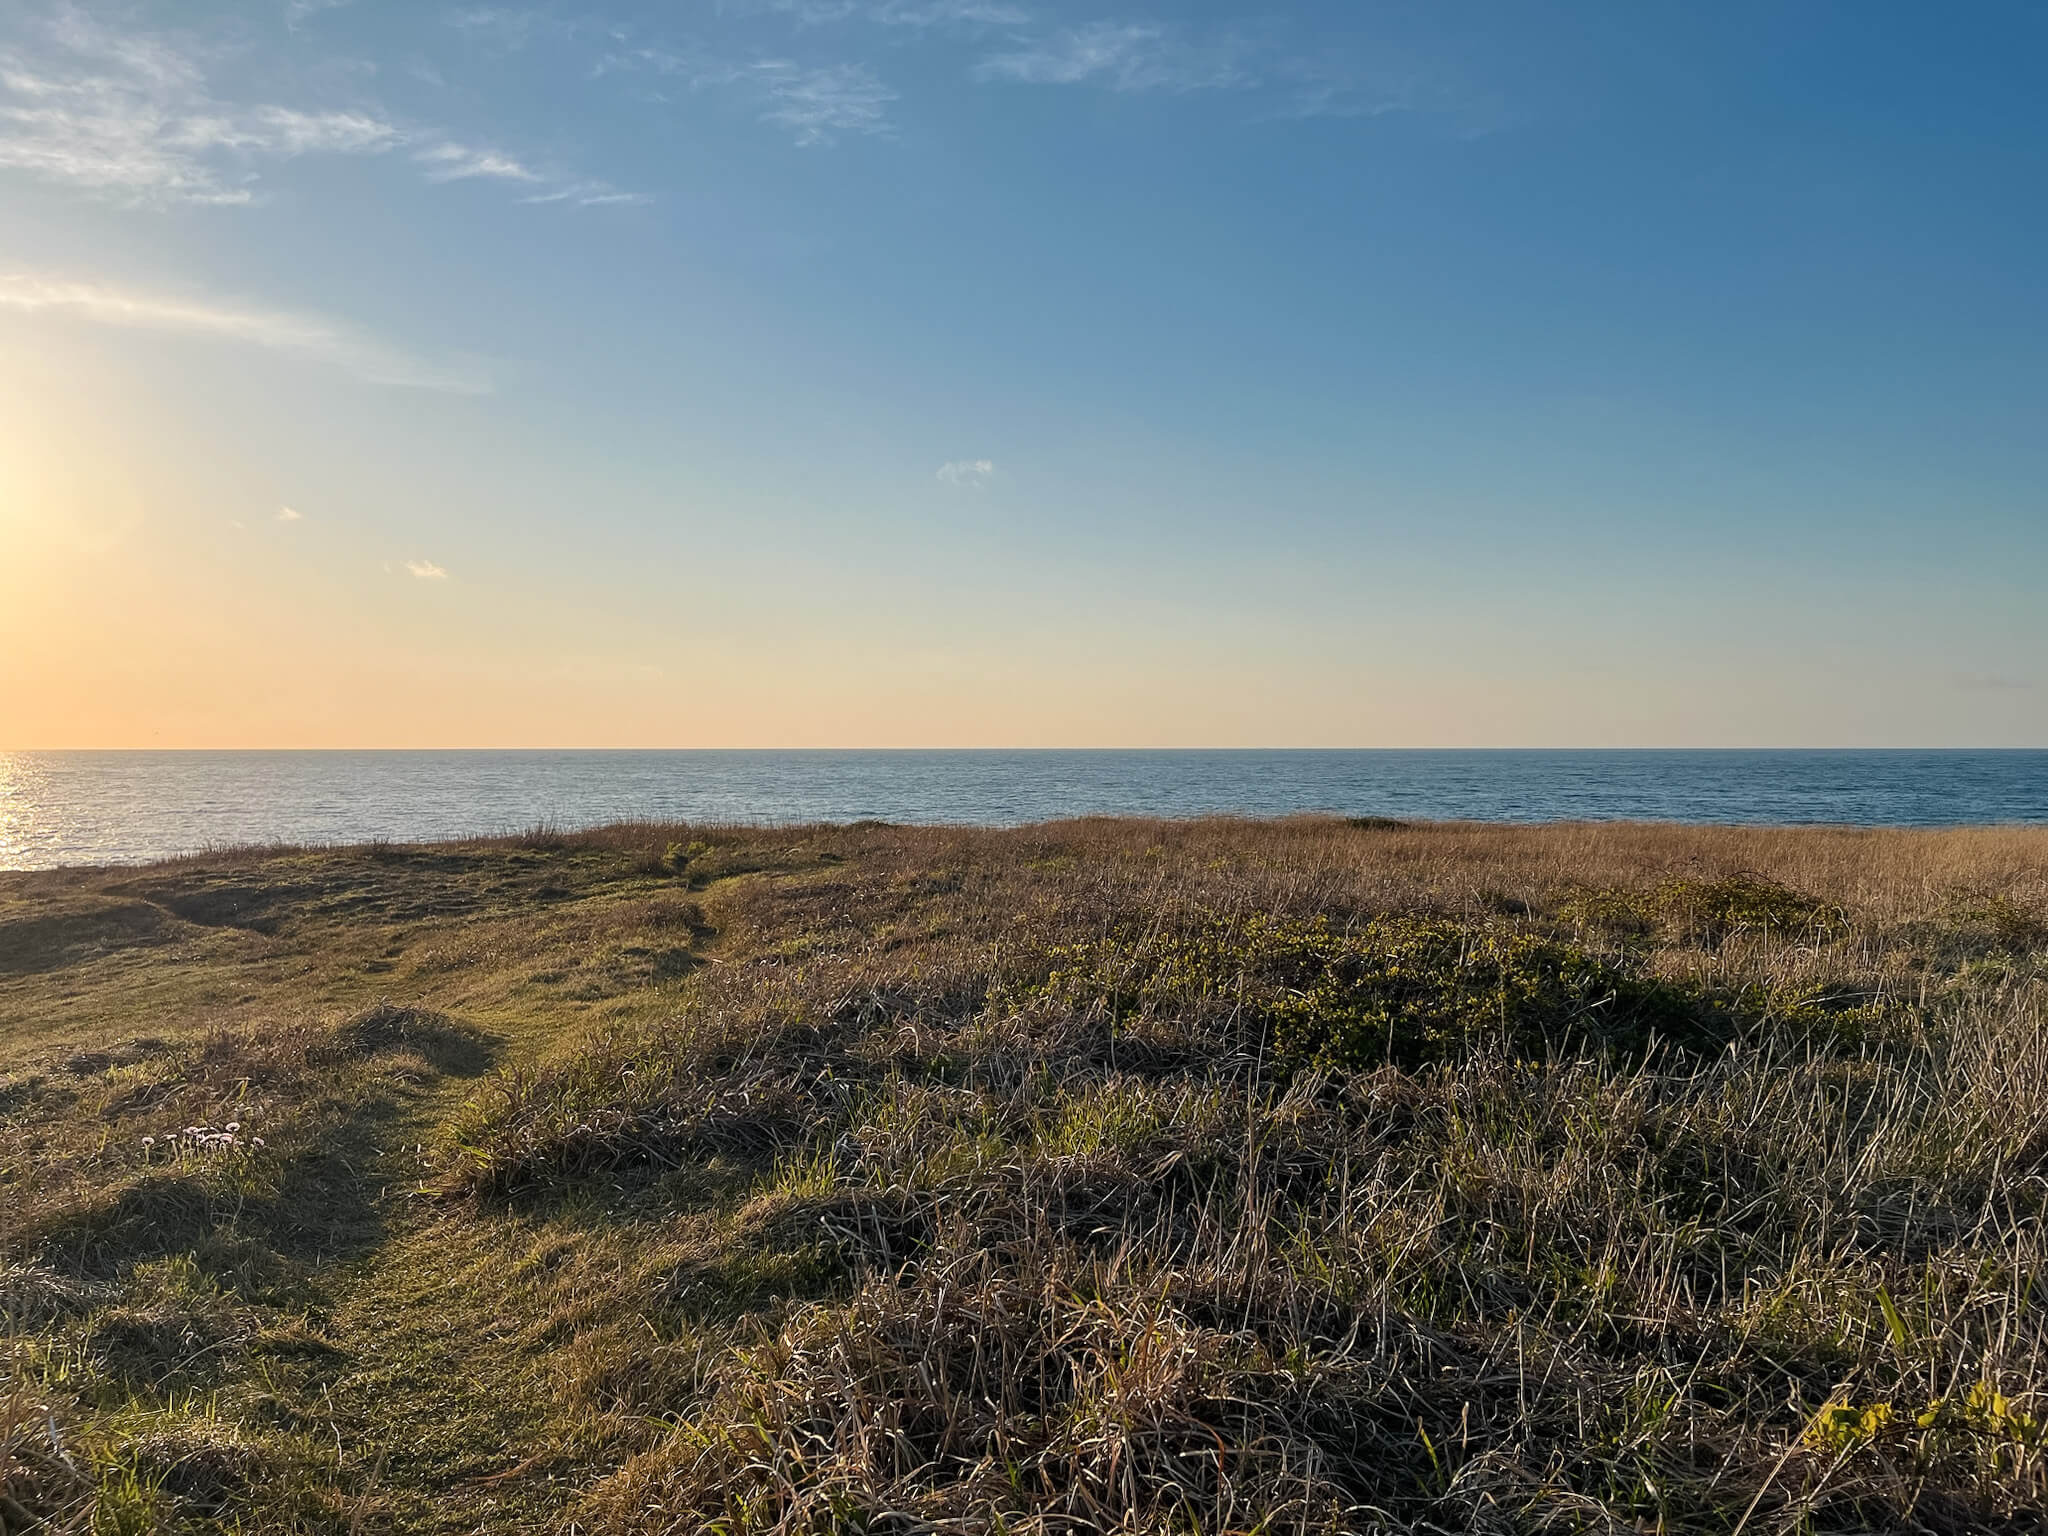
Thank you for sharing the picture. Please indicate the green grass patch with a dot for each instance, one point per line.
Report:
(1396, 991)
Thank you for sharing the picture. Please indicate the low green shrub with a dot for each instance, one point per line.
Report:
(1408, 991)
(1711, 912)
(1623, 913)
(1998, 923)
(1704, 912)
(1400, 990)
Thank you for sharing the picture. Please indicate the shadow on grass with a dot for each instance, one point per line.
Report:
(54, 940)
(254, 1217)
(451, 1048)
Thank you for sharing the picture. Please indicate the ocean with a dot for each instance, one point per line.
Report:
(59, 808)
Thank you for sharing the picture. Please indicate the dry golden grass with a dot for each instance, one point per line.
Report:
(891, 1179)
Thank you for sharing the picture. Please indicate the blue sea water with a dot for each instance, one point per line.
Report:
(60, 808)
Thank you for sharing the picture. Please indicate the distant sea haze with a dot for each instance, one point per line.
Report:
(59, 808)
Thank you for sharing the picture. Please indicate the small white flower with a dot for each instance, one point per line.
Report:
(149, 1141)
(255, 1141)
(234, 1126)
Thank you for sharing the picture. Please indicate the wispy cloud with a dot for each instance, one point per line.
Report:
(284, 131)
(426, 570)
(968, 472)
(947, 13)
(459, 162)
(1294, 78)
(298, 12)
(817, 105)
(290, 515)
(132, 116)
(507, 26)
(448, 161)
(490, 18)
(1122, 56)
(1334, 84)
(129, 115)
(311, 337)
(914, 14)
(589, 194)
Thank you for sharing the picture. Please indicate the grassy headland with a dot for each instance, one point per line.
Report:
(1112, 1175)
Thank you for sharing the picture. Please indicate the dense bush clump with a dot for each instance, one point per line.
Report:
(1400, 991)
(1707, 911)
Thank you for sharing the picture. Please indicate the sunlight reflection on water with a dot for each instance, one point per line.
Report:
(24, 808)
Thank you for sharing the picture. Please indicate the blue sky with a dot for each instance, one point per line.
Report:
(967, 372)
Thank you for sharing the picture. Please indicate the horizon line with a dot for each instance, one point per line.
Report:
(1009, 750)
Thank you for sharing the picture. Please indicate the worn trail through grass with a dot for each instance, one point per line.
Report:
(449, 1391)
(378, 989)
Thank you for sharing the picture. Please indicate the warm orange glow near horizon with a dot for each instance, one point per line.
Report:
(156, 593)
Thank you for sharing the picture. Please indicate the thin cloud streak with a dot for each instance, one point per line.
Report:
(285, 131)
(310, 337)
(818, 105)
(458, 162)
(449, 161)
(1135, 57)
(131, 116)
(591, 194)
(426, 570)
(297, 12)
(821, 103)
(917, 15)
(1123, 56)
(947, 13)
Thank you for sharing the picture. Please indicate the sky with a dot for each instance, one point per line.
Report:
(780, 373)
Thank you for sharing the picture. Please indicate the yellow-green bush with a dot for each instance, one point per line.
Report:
(1398, 990)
